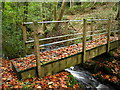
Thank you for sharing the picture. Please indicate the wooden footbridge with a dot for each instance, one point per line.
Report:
(80, 56)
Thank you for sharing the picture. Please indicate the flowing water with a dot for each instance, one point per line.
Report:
(86, 80)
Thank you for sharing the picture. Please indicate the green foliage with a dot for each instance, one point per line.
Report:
(12, 19)
(40, 11)
(74, 9)
(11, 31)
(114, 8)
(72, 81)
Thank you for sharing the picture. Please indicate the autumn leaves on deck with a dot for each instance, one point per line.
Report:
(52, 55)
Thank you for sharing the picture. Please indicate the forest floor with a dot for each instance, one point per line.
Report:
(100, 12)
(57, 81)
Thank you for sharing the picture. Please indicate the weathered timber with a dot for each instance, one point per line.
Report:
(65, 31)
(24, 37)
(36, 44)
(67, 21)
(84, 41)
(58, 65)
(108, 36)
(31, 41)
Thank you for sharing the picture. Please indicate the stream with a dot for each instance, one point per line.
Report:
(86, 80)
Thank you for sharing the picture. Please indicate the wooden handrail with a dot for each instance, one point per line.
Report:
(96, 34)
(59, 42)
(66, 21)
(96, 31)
(30, 41)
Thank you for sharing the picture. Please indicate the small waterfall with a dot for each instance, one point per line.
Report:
(86, 80)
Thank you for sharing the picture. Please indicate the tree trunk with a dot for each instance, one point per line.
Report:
(118, 14)
(25, 11)
(60, 15)
(3, 6)
(55, 11)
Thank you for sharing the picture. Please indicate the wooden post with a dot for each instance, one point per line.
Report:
(108, 36)
(24, 37)
(119, 30)
(84, 41)
(36, 44)
(92, 30)
(66, 32)
(66, 28)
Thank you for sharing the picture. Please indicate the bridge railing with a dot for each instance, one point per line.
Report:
(83, 36)
(43, 39)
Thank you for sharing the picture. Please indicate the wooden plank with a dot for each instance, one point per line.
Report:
(28, 74)
(55, 67)
(43, 71)
(69, 61)
(102, 49)
(48, 69)
(79, 58)
(84, 41)
(62, 64)
(108, 37)
(92, 53)
(36, 44)
(114, 45)
(96, 52)
(24, 37)
(74, 60)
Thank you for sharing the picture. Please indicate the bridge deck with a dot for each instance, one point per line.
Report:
(59, 64)
(50, 62)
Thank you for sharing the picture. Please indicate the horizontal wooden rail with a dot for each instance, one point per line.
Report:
(30, 41)
(59, 42)
(115, 30)
(80, 43)
(97, 19)
(96, 34)
(63, 40)
(66, 21)
(96, 31)
(69, 40)
(96, 39)
(54, 21)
